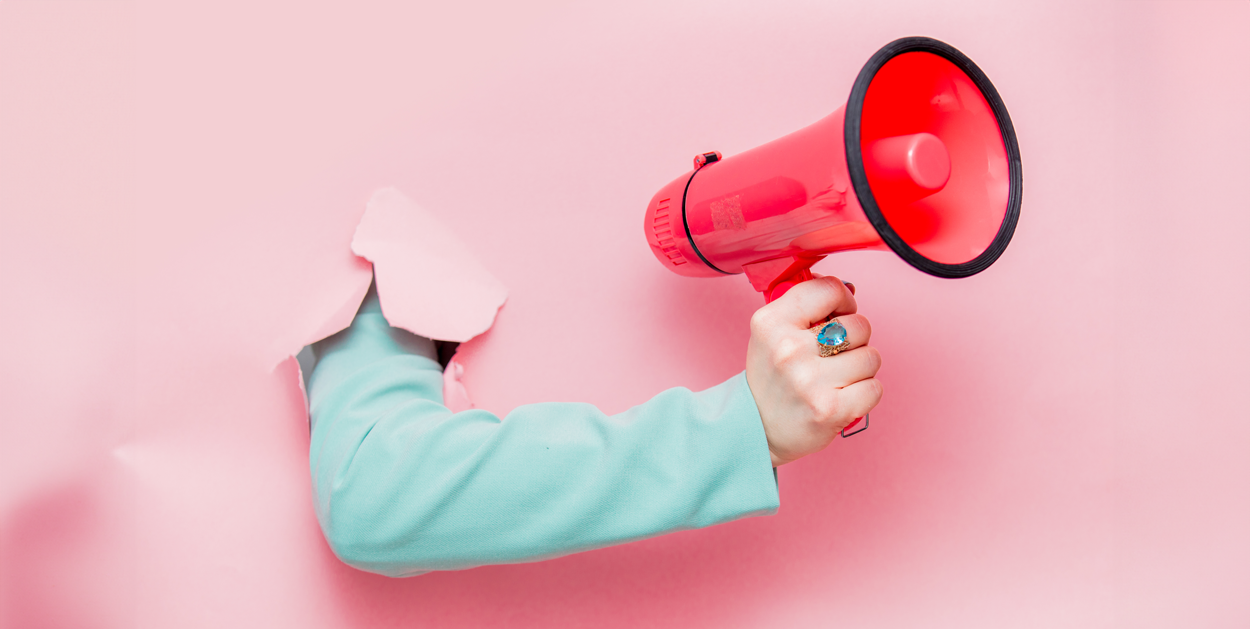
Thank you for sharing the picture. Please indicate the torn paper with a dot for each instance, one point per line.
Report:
(325, 310)
(429, 282)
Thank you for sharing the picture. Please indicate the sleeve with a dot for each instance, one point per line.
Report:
(404, 486)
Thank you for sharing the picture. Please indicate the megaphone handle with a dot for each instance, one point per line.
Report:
(779, 289)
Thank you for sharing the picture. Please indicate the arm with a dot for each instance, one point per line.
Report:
(404, 486)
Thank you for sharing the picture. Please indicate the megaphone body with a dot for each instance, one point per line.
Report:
(922, 160)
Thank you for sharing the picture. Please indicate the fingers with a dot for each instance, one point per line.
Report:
(857, 400)
(849, 367)
(858, 329)
(809, 302)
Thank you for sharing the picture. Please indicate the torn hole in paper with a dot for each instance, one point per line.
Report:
(428, 281)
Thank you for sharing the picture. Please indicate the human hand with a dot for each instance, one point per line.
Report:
(803, 399)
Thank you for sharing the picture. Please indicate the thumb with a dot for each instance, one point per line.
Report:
(812, 301)
(850, 285)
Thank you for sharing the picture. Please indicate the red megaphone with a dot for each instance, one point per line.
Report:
(922, 159)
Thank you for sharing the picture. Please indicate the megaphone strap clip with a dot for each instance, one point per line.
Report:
(703, 159)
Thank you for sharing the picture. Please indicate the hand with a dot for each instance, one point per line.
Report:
(806, 400)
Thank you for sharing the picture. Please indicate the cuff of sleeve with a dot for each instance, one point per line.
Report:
(369, 340)
(750, 480)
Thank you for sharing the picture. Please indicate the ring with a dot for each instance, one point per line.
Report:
(832, 338)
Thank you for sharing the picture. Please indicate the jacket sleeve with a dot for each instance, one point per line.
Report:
(404, 486)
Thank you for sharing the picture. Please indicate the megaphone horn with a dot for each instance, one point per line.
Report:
(922, 160)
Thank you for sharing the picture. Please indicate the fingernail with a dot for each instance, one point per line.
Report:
(850, 286)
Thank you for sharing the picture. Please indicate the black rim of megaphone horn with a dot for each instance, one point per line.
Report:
(855, 159)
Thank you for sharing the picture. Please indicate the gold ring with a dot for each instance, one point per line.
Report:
(832, 338)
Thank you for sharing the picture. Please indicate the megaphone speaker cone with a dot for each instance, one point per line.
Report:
(918, 108)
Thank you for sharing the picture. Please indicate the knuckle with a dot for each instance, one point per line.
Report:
(786, 350)
(761, 321)
(818, 405)
(808, 394)
(826, 410)
(813, 411)
(802, 383)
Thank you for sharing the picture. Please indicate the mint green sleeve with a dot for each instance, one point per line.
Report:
(404, 486)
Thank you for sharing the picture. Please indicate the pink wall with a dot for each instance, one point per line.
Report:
(1063, 440)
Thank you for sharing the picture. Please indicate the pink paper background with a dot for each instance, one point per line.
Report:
(1063, 440)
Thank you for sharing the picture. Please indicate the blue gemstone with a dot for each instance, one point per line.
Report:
(832, 334)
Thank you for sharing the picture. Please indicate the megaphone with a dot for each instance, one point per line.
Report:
(921, 160)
